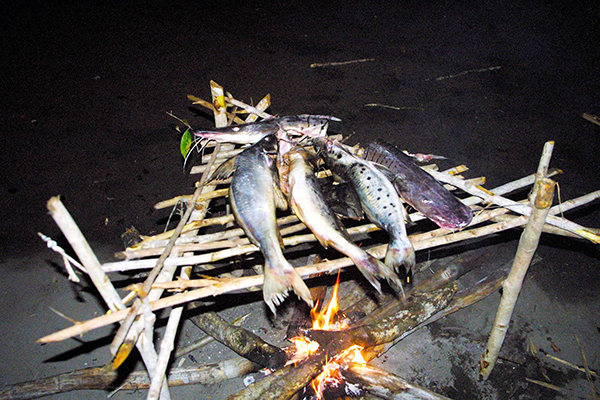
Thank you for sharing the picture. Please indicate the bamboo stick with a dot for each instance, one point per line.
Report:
(166, 346)
(512, 284)
(215, 287)
(104, 286)
(514, 206)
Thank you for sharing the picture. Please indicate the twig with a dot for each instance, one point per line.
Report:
(338, 63)
(573, 366)
(588, 373)
(592, 118)
(394, 107)
(441, 78)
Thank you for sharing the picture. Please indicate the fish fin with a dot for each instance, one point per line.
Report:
(280, 200)
(342, 199)
(371, 268)
(223, 171)
(400, 254)
(385, 171)
(278, 281)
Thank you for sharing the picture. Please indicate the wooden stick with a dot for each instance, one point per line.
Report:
(104, 286)
(103, 378)
(386, 385)
(166, 346)
(86, 255)
(512, 284)
(514, 206)
(240, 340)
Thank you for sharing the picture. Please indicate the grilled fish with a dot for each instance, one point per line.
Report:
(254, 196)
(420, 189)
(307, 202)
(378, 198)
(252, 132)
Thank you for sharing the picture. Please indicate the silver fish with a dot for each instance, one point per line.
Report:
(254, 196)
(252, 132)
(308, 204)
(378, 197)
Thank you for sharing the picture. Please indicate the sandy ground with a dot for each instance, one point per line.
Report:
(86, 88)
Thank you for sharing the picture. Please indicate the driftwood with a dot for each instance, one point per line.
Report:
(385, 385)
(240, 340)
(104, 378)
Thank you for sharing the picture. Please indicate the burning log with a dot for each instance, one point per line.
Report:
(286, 381)
(385, 385)
(398, 319)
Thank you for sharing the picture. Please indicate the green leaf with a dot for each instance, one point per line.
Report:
(186, 143)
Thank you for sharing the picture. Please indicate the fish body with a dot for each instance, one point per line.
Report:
(307, 202)
(254, 196)
(252, 132)
(420, 189)
(378, 198)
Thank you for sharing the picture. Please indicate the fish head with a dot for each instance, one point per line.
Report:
(306, 124)
(332, 150)
(248, 133)
(452, 216)
(268, 144)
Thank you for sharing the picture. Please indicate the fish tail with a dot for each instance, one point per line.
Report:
(278, 281)
(370, 267)
(400, 254)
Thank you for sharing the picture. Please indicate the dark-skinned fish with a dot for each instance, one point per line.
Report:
(254, 196)
(249, 133)
(420, 189)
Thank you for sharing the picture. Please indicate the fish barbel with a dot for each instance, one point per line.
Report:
(252, 132)
(306, 200)
(378, 198)
(420, 189)
(254, 196)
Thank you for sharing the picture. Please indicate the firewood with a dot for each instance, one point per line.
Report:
(283, 383)
(240, 340)
(386, 385)
(103, 378)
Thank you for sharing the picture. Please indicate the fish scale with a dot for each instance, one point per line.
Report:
(378, 198)
(254, 197)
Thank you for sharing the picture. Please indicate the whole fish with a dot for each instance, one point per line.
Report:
(420, 189)
(254, 196)
(252, 132)
(378, 198)
(308, 204)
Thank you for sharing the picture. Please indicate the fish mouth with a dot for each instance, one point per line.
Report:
(449, 220)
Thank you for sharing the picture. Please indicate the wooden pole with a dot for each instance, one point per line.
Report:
(542, 200)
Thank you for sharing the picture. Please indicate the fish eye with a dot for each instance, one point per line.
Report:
(339, 156)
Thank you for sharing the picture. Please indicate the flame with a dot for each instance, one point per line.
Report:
(323, 320)
(326, 320)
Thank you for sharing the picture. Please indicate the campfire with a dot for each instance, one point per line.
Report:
(332, 357)
(326, 320)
